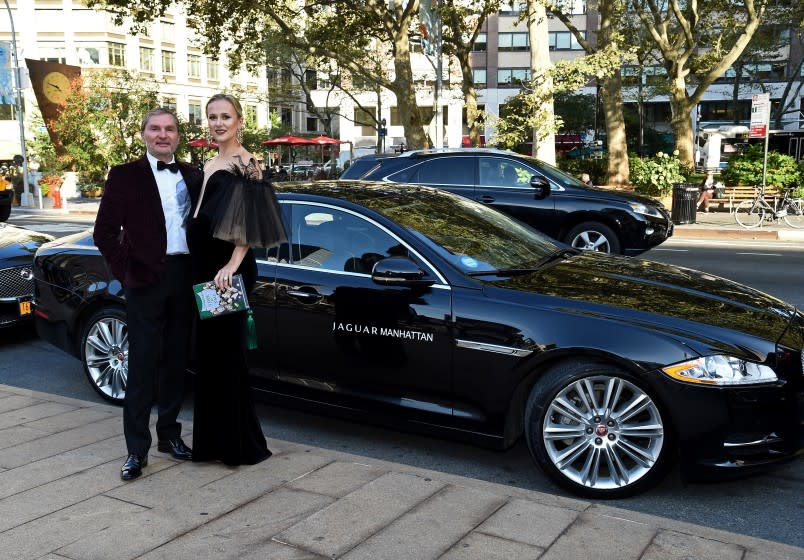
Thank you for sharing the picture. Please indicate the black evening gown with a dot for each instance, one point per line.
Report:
(243, 211)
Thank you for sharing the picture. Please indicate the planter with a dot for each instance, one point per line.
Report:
(94, 193)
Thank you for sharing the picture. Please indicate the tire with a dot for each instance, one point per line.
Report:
(5, 212)
(795, 214)
(104, 353)
(593, 236)
(749, 215)
(593, 448)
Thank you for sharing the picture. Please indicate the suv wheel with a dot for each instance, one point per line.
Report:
(593, 236)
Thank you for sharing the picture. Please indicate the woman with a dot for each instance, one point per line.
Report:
(707, 192)
(235, 211)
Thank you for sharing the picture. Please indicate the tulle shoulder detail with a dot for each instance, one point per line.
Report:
(243, 210)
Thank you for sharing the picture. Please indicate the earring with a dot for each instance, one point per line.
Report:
(239, 135)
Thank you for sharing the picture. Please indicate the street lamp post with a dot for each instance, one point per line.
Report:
(26, 194)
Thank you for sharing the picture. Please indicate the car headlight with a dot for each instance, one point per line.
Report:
(720, 370)
(640, 208)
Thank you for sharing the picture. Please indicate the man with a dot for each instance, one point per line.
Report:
(586, 179)
(139, 231)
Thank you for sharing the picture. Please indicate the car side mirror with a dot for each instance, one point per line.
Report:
(399, 271)
(541, 185)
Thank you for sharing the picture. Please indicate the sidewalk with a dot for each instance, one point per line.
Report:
(61, 497)
(712, 225)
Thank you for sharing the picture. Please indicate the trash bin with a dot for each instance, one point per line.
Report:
(685, 203)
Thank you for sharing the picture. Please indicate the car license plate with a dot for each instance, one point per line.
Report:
(25, 308)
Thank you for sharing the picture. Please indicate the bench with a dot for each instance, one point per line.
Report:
(736, 194)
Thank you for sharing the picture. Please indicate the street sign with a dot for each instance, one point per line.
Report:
(760, 115)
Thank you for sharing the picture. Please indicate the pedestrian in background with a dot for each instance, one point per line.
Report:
(586, 179)
(707, 191)
(139, 231)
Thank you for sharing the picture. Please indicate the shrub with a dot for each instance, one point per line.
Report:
(745, 168)
(656, 175)
(596, 167)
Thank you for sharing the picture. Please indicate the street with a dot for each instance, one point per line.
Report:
(768, 506)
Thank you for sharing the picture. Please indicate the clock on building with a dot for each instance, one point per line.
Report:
(56, 86)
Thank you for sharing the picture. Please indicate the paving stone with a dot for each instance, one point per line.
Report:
(64, 492)
(528, 522)
(338, 479)
(74, 419)
(602, 538)
(18, 434)
(31, 413)
(246, 532)
(672, 545)
(355, 517)
(51, 532)
(53, 468)
(178, 514)
(445, 518)
(15, 402)
(477, 546)
(59, 443)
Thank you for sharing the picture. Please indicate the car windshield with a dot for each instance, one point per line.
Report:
(554, 173)
(470, 235)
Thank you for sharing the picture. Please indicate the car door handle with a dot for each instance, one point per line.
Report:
(485, 198)
(308, 297)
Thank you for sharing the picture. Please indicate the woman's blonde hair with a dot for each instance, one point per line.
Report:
(226, 97)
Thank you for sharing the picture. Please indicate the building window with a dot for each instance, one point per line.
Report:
(194, 65)
(53, 54)
(481, 43)
(146, 59)
(513, 7)
(168, 31)
(513, 42)
(212, 69)
(88, 56)
(312, 124)
(310, 78)
(564, 41)
(512, 77)
(287, 116)
(168, 62)
(250, 115)
(364, 118)
(395, 120)
(479, 77)
(8, 112)
(117, 54)
(194, 113)
(169, 103)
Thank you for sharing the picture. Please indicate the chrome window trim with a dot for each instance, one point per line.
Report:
(494, 348)
(442, 282)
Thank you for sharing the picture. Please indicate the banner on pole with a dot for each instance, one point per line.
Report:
(760, 115)
(7, 94)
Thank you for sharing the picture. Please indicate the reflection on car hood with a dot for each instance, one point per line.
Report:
(19, 242)
(655, 288)
(611, 193)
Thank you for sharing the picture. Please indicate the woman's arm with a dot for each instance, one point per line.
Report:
(223, 279)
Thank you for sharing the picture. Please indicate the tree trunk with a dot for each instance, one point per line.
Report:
(544, 144)
(681, 122)
(612, 98)
(470, 98)
(402, 87)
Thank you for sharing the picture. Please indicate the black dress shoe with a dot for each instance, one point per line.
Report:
(132, 468)
(175, 447)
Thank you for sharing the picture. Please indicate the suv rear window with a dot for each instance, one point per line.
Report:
(359, 168)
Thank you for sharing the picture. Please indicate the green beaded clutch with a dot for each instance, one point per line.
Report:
(212, 302)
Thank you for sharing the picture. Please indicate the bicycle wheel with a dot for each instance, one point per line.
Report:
(795, 213)
(749, 214)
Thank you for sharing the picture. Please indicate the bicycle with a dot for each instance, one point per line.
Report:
(753, 213)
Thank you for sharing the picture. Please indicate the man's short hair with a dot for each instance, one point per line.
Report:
(156, 112)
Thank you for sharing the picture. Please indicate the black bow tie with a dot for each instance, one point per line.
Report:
(172, 167)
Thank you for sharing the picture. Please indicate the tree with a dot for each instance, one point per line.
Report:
(544, 145)
(463, 22)
(338, 29)
(604, 61)
(701, 39)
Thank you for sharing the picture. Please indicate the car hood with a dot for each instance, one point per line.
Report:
(642, 290)
(18, 244)
(609, 194)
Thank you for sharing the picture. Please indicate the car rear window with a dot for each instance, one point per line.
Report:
(359, 168)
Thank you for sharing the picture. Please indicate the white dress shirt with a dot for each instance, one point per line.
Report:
(175, 204)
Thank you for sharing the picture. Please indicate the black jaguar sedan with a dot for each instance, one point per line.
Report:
(17, 248)
(424, 310)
